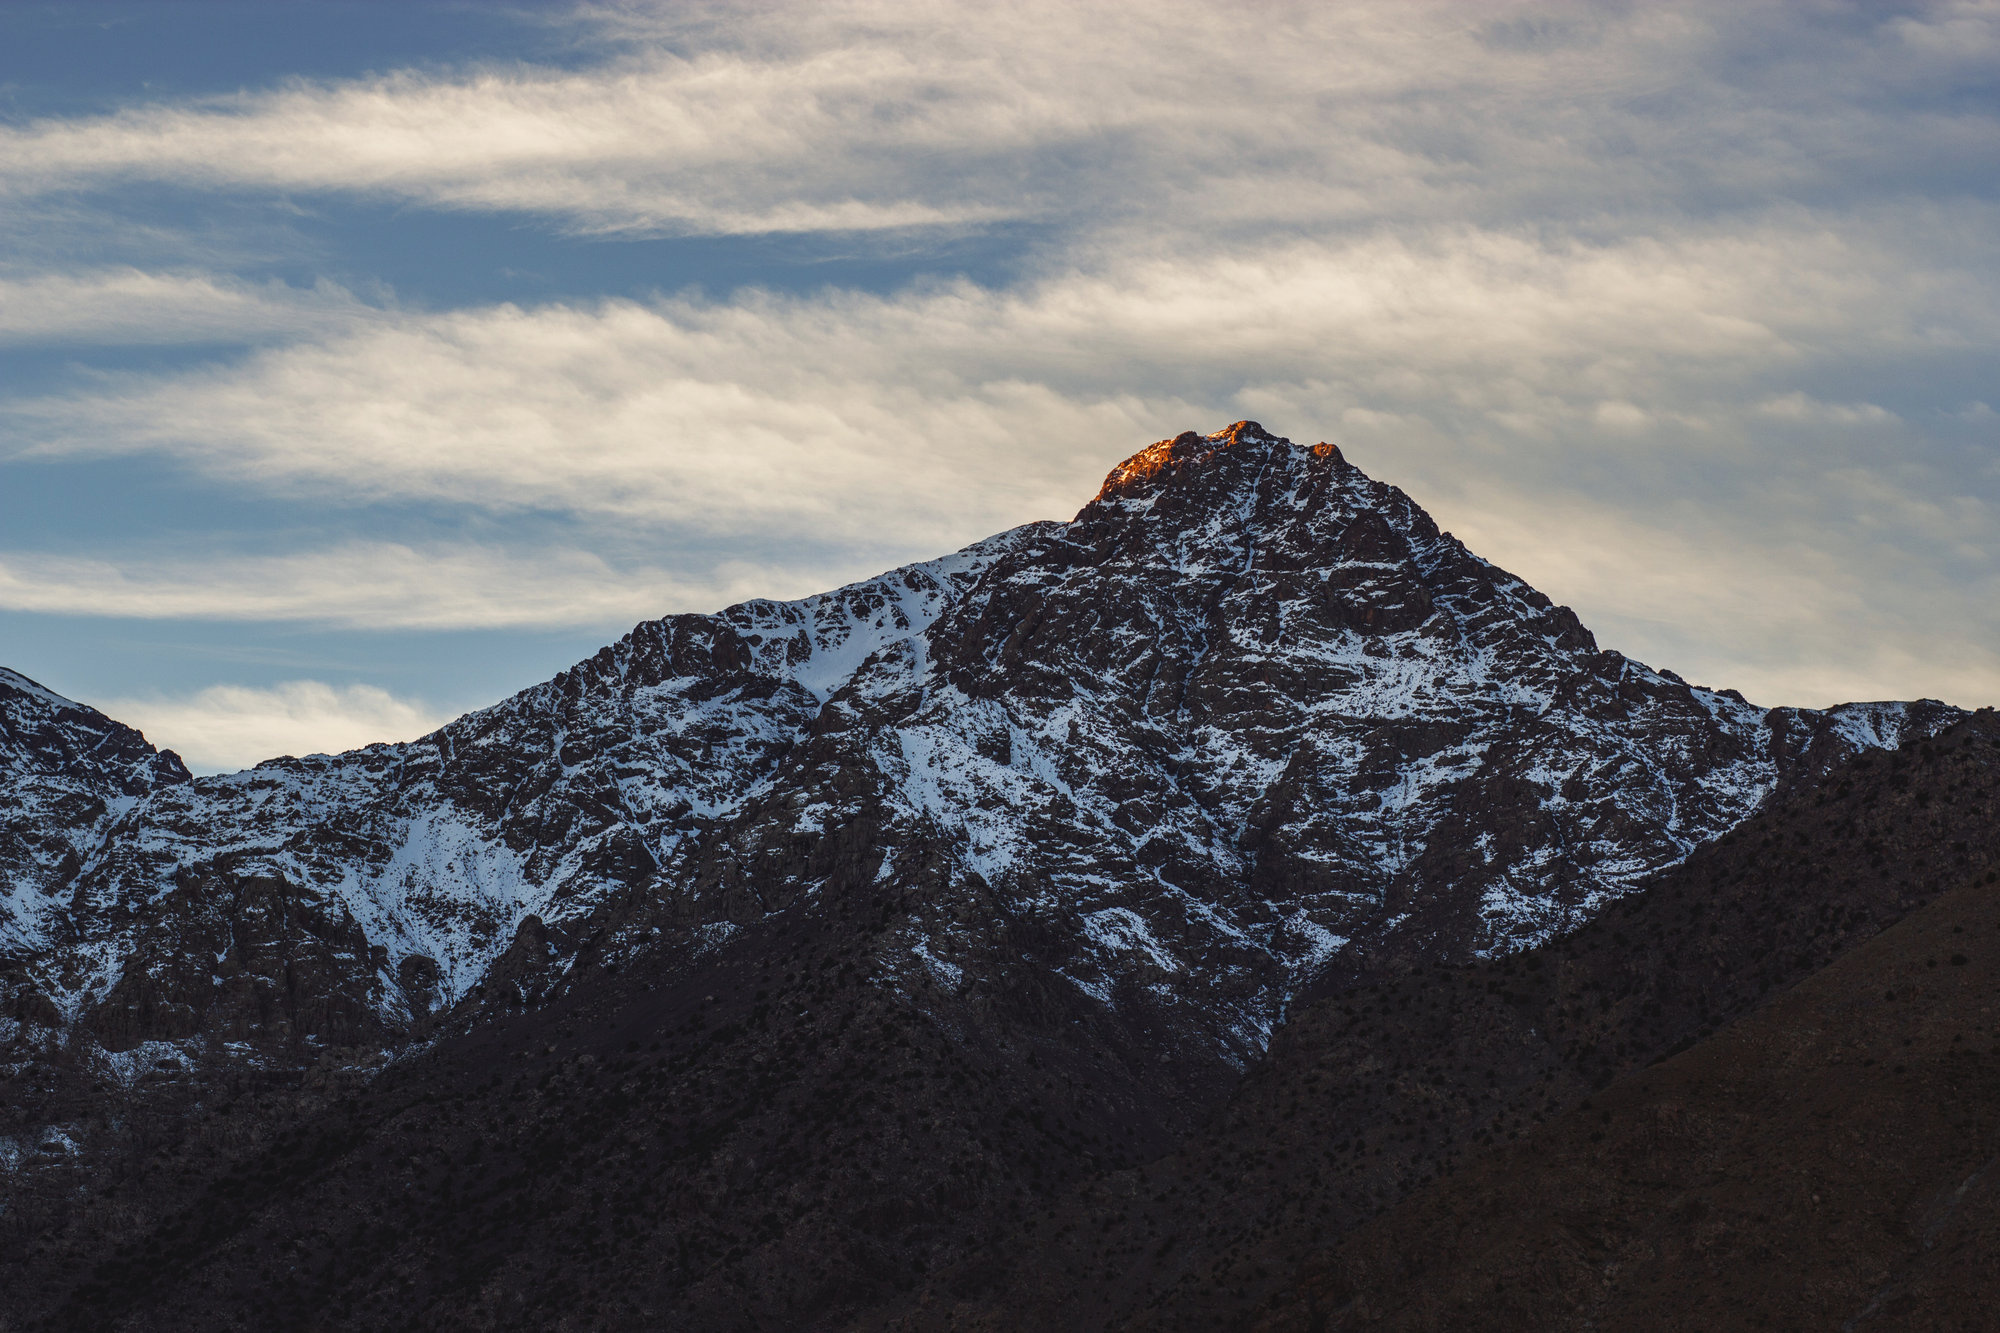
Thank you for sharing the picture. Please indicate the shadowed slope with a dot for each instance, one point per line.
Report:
(1832, 1161)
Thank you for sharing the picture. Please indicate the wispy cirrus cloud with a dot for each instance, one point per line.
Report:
(1611, 421)
(945, 410)
(126, 305)
(866, 116)
(379, 585)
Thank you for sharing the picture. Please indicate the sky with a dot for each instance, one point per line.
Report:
(362, 363)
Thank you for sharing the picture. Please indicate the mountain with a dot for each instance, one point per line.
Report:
(770, 961)
(780, 1142)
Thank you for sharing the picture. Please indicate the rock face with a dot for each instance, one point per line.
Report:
(1248, 718)
(67, 772)
(344, 898)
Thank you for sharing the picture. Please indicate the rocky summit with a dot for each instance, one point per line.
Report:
(1107, 797)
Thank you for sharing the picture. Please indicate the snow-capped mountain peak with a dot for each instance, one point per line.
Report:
(1248, 717)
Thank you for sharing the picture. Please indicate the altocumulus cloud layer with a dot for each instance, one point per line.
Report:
(1685, 314)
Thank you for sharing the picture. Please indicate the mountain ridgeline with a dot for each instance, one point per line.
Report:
(816, 964)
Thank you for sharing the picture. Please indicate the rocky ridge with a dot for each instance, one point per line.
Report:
(1249, 710)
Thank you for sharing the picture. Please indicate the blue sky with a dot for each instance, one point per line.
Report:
(361, 363)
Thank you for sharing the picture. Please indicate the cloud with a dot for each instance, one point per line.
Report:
(870, 116)
(1671, 307)
(225, 728)
(1798, 407)
(380, 586)
(932, 416)
(1614, 421)
(1787, 615)
(128, 305)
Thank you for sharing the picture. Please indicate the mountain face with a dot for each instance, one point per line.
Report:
(1828, 1163)
(802, 948)
(397, 874)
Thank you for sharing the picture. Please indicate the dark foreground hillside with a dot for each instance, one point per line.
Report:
(1832, 1161)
